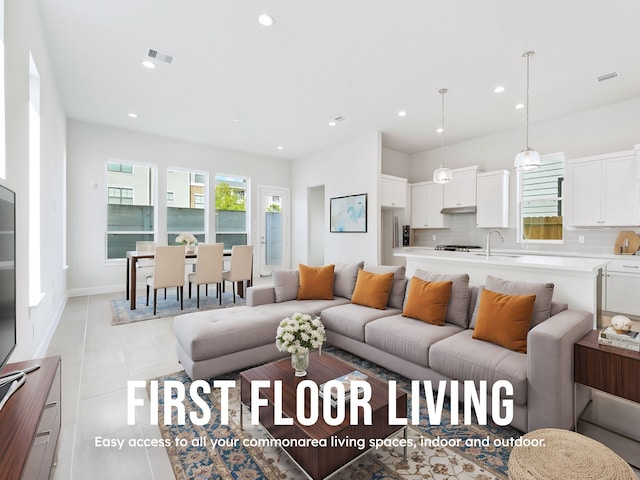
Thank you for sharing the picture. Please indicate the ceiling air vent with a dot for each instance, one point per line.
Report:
(161, 57)
(607, 76)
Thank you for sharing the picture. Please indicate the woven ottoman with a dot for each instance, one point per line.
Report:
(566, 455)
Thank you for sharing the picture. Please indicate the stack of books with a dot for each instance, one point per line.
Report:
(628, 340)
(346, 381)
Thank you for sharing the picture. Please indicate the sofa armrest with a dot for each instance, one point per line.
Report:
(550, 368)
(260, 295)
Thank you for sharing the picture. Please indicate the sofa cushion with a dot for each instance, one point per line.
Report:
(213, 333)
(372, 289)
(286, 284)
(396, 296)
(316, 283)
(462, 357)
(406, 338)
(345, 276)
(457, 309)
(427, 301)
(504, 319)
(542, 291)
(350, 319)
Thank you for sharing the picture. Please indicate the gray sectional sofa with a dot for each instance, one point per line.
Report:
(213, 342)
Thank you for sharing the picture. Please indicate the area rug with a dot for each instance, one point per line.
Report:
(121, 308)
(235, 461)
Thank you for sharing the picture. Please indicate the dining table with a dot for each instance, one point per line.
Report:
(133, 256)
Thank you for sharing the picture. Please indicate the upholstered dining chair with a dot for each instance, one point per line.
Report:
(239, 267)
(168, 271)
(209, 264)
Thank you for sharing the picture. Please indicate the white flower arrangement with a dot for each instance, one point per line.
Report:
(187, 238)
(300, 334)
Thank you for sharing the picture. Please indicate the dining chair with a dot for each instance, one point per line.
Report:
(145, 246)
(209, 265)
(168, 271)
(240, 266)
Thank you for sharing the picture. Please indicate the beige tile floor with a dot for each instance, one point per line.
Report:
(97, 361)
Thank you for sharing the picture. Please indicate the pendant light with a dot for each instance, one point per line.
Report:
(442, 174)
(527, 159)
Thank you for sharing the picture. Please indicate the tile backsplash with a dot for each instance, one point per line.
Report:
(463, 231)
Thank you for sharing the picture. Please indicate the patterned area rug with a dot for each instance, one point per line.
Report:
(232, 460)
(122, 313)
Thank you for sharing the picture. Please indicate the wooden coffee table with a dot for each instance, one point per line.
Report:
(320, 462)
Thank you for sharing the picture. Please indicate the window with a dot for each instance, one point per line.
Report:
(35, 292)
(187, 211)
(120, 196)
(231, 210)
(130, 207)
(3, 168)
(120, 167)
(540, 201)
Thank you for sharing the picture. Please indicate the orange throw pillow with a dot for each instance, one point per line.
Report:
(316, 283)
(504, 319)
(427, 301)
(372, 289)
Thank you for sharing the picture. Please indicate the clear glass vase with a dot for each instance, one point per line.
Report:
(300, 363)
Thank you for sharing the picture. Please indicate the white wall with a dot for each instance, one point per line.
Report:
(609, 129)
(89, 148)
(23, 34)
(347, 169)
(395, 163)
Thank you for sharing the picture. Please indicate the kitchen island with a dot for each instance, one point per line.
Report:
(576, 279)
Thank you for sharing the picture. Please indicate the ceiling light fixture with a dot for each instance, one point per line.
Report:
(148, 64)
(280, 147)
(402, 113)
(332, 123)
(498, 89)
(519, 106)
(442, 174)
(527, 159)
(133, 115)
(266, 20)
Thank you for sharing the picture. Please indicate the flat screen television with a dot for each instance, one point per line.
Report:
(7, 275)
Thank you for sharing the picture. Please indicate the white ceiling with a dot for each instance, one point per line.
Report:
(239, 85)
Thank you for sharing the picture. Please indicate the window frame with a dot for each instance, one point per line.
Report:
(519, 203)
(247, 203)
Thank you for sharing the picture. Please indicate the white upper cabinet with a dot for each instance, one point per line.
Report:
(393, 191)
(493, 199)
(426, 203)
(461, 191)
(603, 191)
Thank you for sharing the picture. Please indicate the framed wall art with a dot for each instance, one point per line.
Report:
(348, 214)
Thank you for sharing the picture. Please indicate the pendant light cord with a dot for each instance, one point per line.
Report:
(528, 55)
(442, 91)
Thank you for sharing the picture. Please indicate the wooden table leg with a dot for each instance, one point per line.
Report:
(126, 289)
(133, 282)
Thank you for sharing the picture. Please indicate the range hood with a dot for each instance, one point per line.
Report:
(458, 210)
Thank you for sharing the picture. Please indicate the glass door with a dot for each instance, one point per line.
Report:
(274, 229)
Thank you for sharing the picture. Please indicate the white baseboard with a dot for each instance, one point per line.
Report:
(41, 351)
(81, 292)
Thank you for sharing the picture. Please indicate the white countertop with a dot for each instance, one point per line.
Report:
(504, 258)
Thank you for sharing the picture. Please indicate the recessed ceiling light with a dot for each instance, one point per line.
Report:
(498, 89)
(266, 20)
(280, 147)
(332, 123)
(235, 120)
(148, 64)
(402, 113)
(439, 130)
(519, 106)
(133, 115)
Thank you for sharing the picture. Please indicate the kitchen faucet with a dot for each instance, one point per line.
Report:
(489, 240)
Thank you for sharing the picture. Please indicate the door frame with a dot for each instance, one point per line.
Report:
(285, 192)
